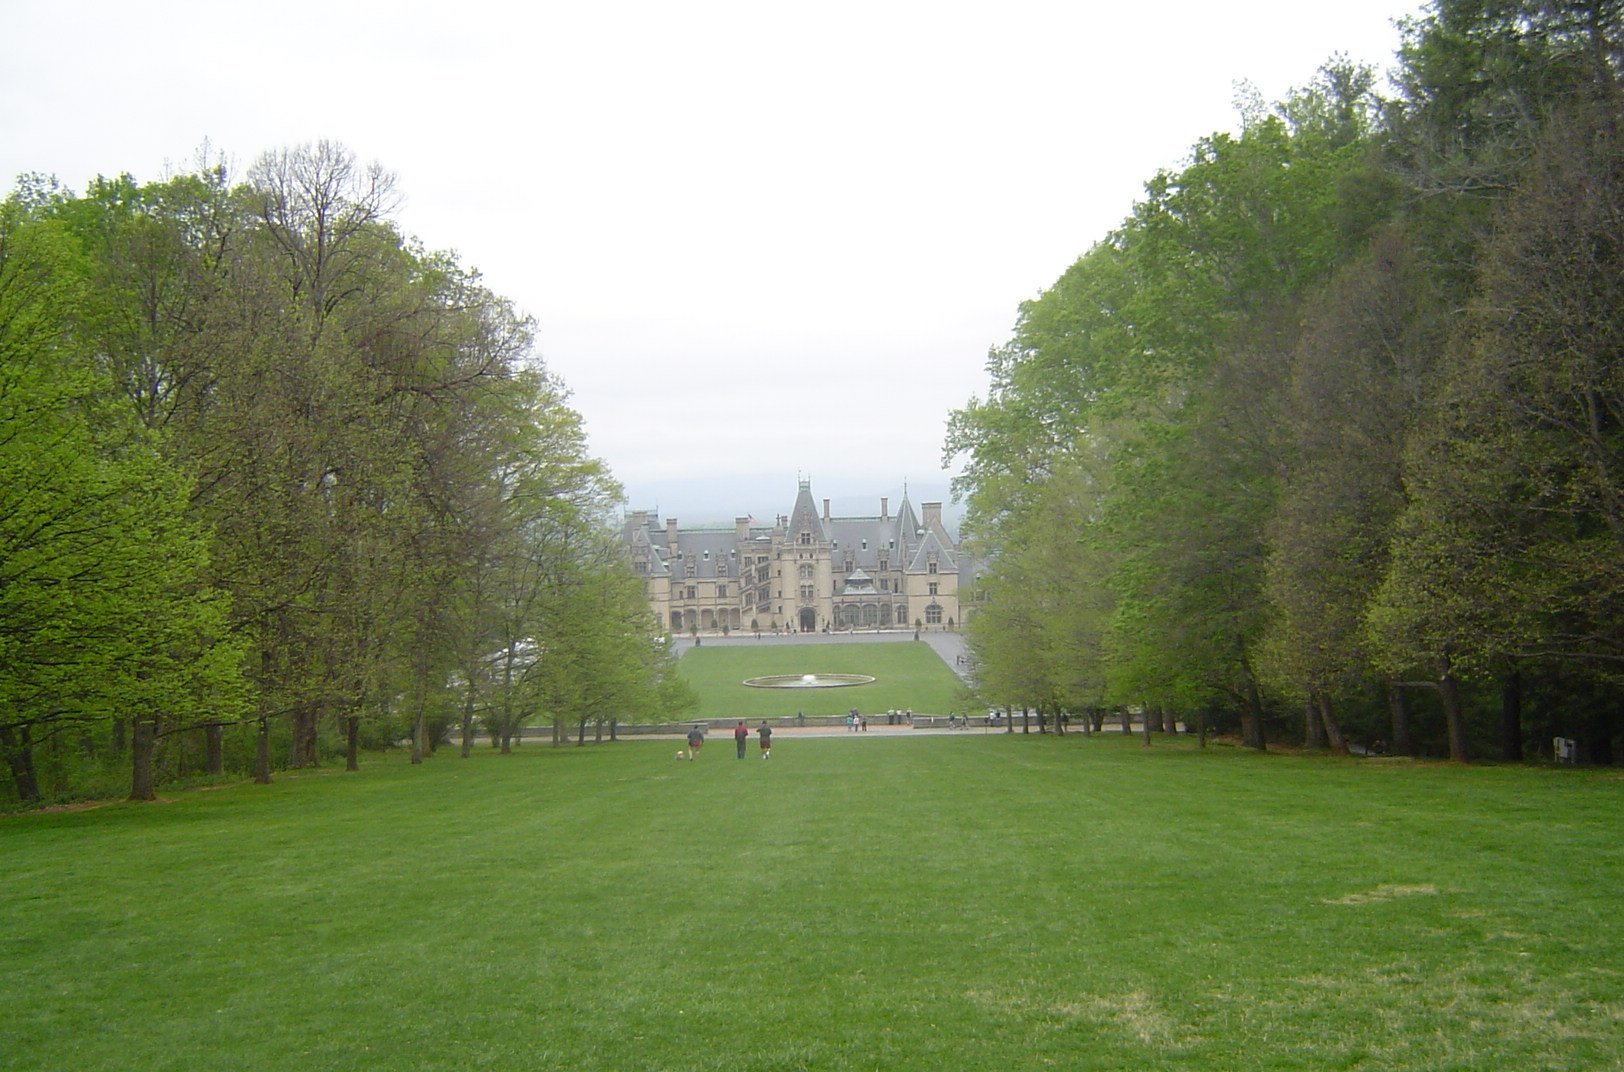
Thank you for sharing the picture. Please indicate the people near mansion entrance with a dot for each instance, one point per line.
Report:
(741, 734)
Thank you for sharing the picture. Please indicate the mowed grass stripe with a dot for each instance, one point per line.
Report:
(966, 902)
(908, 675)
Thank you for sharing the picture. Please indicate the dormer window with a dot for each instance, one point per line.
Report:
(865, 545)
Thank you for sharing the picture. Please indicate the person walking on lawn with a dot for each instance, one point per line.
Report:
(696, 740)
(741, 734)
(766, 733)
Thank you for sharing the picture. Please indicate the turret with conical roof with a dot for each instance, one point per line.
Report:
(804, 525)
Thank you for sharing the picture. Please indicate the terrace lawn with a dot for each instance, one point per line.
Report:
(908, 676)
(961, 902)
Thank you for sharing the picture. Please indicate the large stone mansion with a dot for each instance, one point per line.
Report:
(807, 572)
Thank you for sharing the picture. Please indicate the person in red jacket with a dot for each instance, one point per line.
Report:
(741, 735)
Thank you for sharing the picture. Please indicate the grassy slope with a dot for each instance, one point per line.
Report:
(908, 675)
(964, 902)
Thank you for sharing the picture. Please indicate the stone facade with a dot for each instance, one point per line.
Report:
(806, 572)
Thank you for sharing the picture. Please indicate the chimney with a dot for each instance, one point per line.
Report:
(639, 519)
(885, 508)
(671, 534)
(932, 517)
(741, 529)
(826, 511)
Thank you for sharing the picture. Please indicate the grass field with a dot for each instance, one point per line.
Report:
(907, 675)
(950, 902)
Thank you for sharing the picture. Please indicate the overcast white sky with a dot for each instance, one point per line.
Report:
(758, 239)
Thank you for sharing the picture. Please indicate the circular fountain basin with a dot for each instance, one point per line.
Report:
(807, 681)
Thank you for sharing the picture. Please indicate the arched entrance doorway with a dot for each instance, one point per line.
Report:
(809, 620)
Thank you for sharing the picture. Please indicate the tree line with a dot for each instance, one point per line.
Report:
(278, 484)
(1325, 443)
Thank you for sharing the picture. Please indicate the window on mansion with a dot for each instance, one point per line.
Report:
(806, 573)
(806, 593)
(933, 614)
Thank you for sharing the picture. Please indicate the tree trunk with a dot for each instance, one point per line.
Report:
(1201, 726)
(352, 743)
(141, 785)
(1127, 722)
(467, 733)
(214, 747)
(1252, 718)
(507, 741)
(1333, 731)
(262, 754)
(1403, 744)
(614, 726)
(1144, 725)
(1454, 720)
(580, 733)
(417, 734)
(1313, 728)
(304, 736)
(17, 743)
(1511, 733)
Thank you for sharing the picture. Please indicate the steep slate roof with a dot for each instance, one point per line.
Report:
(931, 544)
(704, 548)
(640, 538)
(907, 524)
(851, 534)
(804, 518)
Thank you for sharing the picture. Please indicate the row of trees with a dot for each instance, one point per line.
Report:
(1327, 439)
(267, 463)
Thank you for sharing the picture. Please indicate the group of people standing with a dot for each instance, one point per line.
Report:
(741, 737)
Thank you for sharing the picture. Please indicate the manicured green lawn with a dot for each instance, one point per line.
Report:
(907, 675)
(952, 902)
